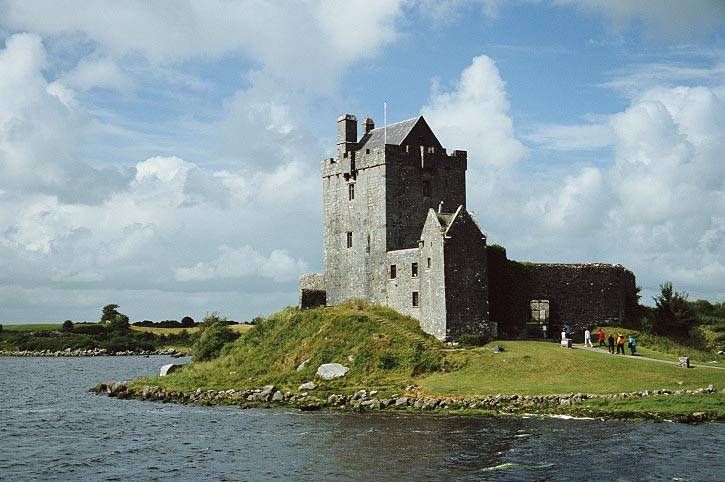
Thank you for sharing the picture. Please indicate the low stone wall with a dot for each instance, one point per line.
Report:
(584, 294)
(579, 294)
(312, 290)
(92, 352)
(364, 400)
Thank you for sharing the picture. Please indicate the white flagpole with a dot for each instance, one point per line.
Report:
(385, 122)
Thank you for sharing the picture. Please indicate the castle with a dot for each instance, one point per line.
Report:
(397, 233)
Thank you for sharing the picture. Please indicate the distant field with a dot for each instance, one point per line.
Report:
(173, 331)
(32, 327)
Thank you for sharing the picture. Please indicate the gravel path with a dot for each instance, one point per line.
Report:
(604, 351)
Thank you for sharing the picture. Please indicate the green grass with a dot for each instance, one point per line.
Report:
(33, 327)
(241, 328)
(387, 351)
(534, 368)
(664, 348)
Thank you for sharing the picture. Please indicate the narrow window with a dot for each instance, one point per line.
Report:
(415, 298)
(428, 263)
(349, 239)
(367, 151)
(414, 270)
(393, 271)
(426, 188)
(367, 249)
(351, 191)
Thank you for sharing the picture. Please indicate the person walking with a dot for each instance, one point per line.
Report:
(620, 344)
(632, 344)
(588, 338)
(602, 337)
(611, 343)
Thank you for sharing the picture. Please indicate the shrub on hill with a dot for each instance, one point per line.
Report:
(67, 325)
(209, 345)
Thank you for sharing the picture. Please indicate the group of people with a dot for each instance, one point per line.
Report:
(611, 341)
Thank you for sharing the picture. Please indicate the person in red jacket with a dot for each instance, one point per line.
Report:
(602, 337)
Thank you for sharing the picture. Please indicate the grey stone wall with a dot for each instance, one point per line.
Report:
(358, 271)
(584, 294)
(465, 277)
(432, 278)
(312, 290)
(400, 290)
(413, 189)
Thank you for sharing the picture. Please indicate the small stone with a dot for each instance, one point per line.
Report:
(401, 402)
(307, 386)
(278, 397)
(302, 365)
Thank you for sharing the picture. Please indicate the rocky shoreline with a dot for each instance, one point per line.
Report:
(364, 401)
(68, 352)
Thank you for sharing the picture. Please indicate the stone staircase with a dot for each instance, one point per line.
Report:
(413, 338)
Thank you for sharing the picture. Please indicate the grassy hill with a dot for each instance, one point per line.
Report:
(381, 347)
(388, 352)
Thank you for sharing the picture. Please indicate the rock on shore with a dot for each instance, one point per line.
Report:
(363, 400)
(68, 352)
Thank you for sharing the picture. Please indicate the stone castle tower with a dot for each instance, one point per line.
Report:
(397, 233)
(396, 229)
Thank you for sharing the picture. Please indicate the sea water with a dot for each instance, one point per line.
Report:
(51, 428)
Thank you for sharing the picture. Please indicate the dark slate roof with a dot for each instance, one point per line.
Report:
(396, 133)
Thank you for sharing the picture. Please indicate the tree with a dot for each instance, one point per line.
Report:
(211, 342)
(187, 322)
(109, 313)
(115, 320)
(673, 315)
(67, 325)
(211, 319)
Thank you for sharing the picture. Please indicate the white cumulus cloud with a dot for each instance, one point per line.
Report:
(473, 115)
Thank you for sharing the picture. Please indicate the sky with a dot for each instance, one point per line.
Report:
(164, 156)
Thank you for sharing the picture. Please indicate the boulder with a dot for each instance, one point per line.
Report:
(278, 397)
(307, 386)
(329, 371)
(168, 369)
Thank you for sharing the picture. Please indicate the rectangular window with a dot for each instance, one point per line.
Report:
(351, 191)
(428, 263)
(349, 239)
(414, 270)
(426, 188)
(415, 298)
(393, 271)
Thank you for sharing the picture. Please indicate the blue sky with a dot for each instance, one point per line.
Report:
(164, 156)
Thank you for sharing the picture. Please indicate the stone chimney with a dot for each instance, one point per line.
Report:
(369, 125)
(346, 132)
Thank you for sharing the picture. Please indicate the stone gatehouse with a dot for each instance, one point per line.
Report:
(397, 233)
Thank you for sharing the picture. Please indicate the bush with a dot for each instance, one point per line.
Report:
(471, 339)
(424, 361)
(187, 322)
(388, 361)
(67, 325)
(210, 343)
